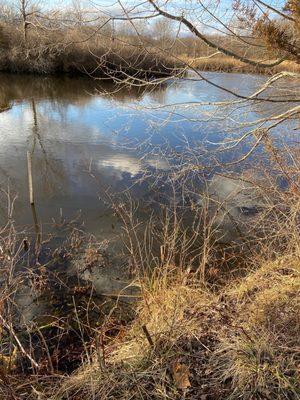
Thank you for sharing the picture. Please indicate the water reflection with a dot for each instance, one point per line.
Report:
(65, 89)
(73, 125)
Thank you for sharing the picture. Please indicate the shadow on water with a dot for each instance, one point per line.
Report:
(64, 89)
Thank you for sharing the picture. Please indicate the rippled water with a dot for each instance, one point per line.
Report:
(75, 126)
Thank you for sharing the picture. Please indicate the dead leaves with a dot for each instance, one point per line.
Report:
(181, 375)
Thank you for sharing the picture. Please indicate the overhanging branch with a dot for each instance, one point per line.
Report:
(211, 44)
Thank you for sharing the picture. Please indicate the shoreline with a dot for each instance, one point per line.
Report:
(217, 65)
(229, 65)
(121, 64)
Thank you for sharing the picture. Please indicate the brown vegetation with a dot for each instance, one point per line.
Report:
(227, 64)
(80, 52)
(90, 49)
(240, 341)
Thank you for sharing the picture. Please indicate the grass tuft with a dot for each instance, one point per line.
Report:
(238, 343)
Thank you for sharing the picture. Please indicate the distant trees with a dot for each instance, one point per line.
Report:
(7, 13)
(250, 34)
(163, 31)
(27, 10)
(20, 12)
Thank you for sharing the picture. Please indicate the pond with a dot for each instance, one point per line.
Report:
(88, 138)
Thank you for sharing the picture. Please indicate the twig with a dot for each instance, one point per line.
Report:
(13, 333)
(148, 336)
(30, 184)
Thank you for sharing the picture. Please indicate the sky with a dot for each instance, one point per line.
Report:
(191, 8)
(173, 3)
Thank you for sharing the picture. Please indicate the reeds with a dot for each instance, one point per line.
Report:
(228, 64)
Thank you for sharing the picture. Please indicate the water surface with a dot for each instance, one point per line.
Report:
(87, 138)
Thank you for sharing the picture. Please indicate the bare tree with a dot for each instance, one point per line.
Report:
(163, 31)
(27, 10)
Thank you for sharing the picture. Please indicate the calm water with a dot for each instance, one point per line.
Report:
(74, 125)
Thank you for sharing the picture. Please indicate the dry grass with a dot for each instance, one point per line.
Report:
(260, 357)
(241, 343)
(135, 368)
(238, 339)
(74, 50)
(191, 339)
(228, 64)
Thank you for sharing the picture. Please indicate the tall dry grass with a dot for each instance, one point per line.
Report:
(228, 64)
(241, 342)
